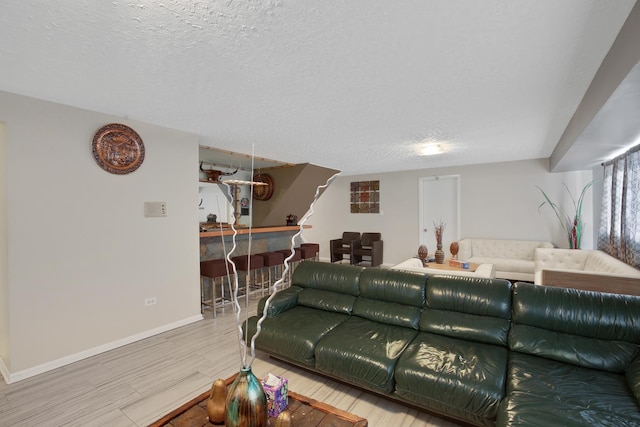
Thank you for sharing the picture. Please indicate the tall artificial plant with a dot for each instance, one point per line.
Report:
(571, 225)
(438, 229)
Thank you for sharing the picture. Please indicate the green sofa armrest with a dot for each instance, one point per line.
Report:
(633, 377)
(284, 300)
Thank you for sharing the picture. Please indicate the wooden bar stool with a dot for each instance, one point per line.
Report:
(248, 264)
(306, 252)
(316, 250)
(214, 269)
(274, 264)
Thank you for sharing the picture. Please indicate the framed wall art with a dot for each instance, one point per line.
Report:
(365, 197)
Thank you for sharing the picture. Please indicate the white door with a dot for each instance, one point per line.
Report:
(439, 201)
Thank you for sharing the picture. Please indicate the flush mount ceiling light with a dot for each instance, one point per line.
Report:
(430, 148)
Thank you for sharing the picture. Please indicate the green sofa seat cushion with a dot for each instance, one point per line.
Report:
(544, 392)
(363, 352)
(293, 334)
(459, 378)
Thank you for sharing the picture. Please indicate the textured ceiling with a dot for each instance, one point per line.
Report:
(351, 85)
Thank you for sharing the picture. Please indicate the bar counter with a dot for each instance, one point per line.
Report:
(215, 243)
(227, 231)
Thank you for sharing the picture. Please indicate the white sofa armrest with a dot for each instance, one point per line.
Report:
(585, 264)
(591, 281)
(486, 270)
(409, 264)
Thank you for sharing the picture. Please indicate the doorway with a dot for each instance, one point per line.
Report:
(439, 200)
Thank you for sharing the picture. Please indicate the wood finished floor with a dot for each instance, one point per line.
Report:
(136, 384)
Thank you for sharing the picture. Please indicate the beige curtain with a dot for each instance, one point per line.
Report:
(619, 232)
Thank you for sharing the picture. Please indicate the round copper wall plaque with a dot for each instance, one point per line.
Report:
(118, 149)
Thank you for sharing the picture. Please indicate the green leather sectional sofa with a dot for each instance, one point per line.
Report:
(482, 351)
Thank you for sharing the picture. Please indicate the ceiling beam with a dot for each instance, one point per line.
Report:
(616, 66)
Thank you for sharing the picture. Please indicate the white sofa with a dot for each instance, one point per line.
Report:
(415, 264)
(585, 269)
(513, 259)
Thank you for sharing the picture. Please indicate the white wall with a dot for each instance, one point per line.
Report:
(82, 256)
(497, 201)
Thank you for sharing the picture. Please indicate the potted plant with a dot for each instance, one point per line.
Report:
(572, 225)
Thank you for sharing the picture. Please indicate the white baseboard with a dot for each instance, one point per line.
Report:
(54, 364)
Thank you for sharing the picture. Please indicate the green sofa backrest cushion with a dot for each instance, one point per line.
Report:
(282, 301)
(329, 287)
(402, 287)
(328, 277)
(590, 329)
(393, 297)
(468, 308)
(326, 300)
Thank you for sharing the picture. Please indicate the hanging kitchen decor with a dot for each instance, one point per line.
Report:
(263, 192)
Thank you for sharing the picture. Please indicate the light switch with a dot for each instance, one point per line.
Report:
(155, 209)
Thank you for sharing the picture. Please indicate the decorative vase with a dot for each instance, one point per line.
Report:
(246, 401)
(454, 248)
(422, 254)
(439, 255)
(216, 405)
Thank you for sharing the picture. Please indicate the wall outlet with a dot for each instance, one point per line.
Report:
(150, 301)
